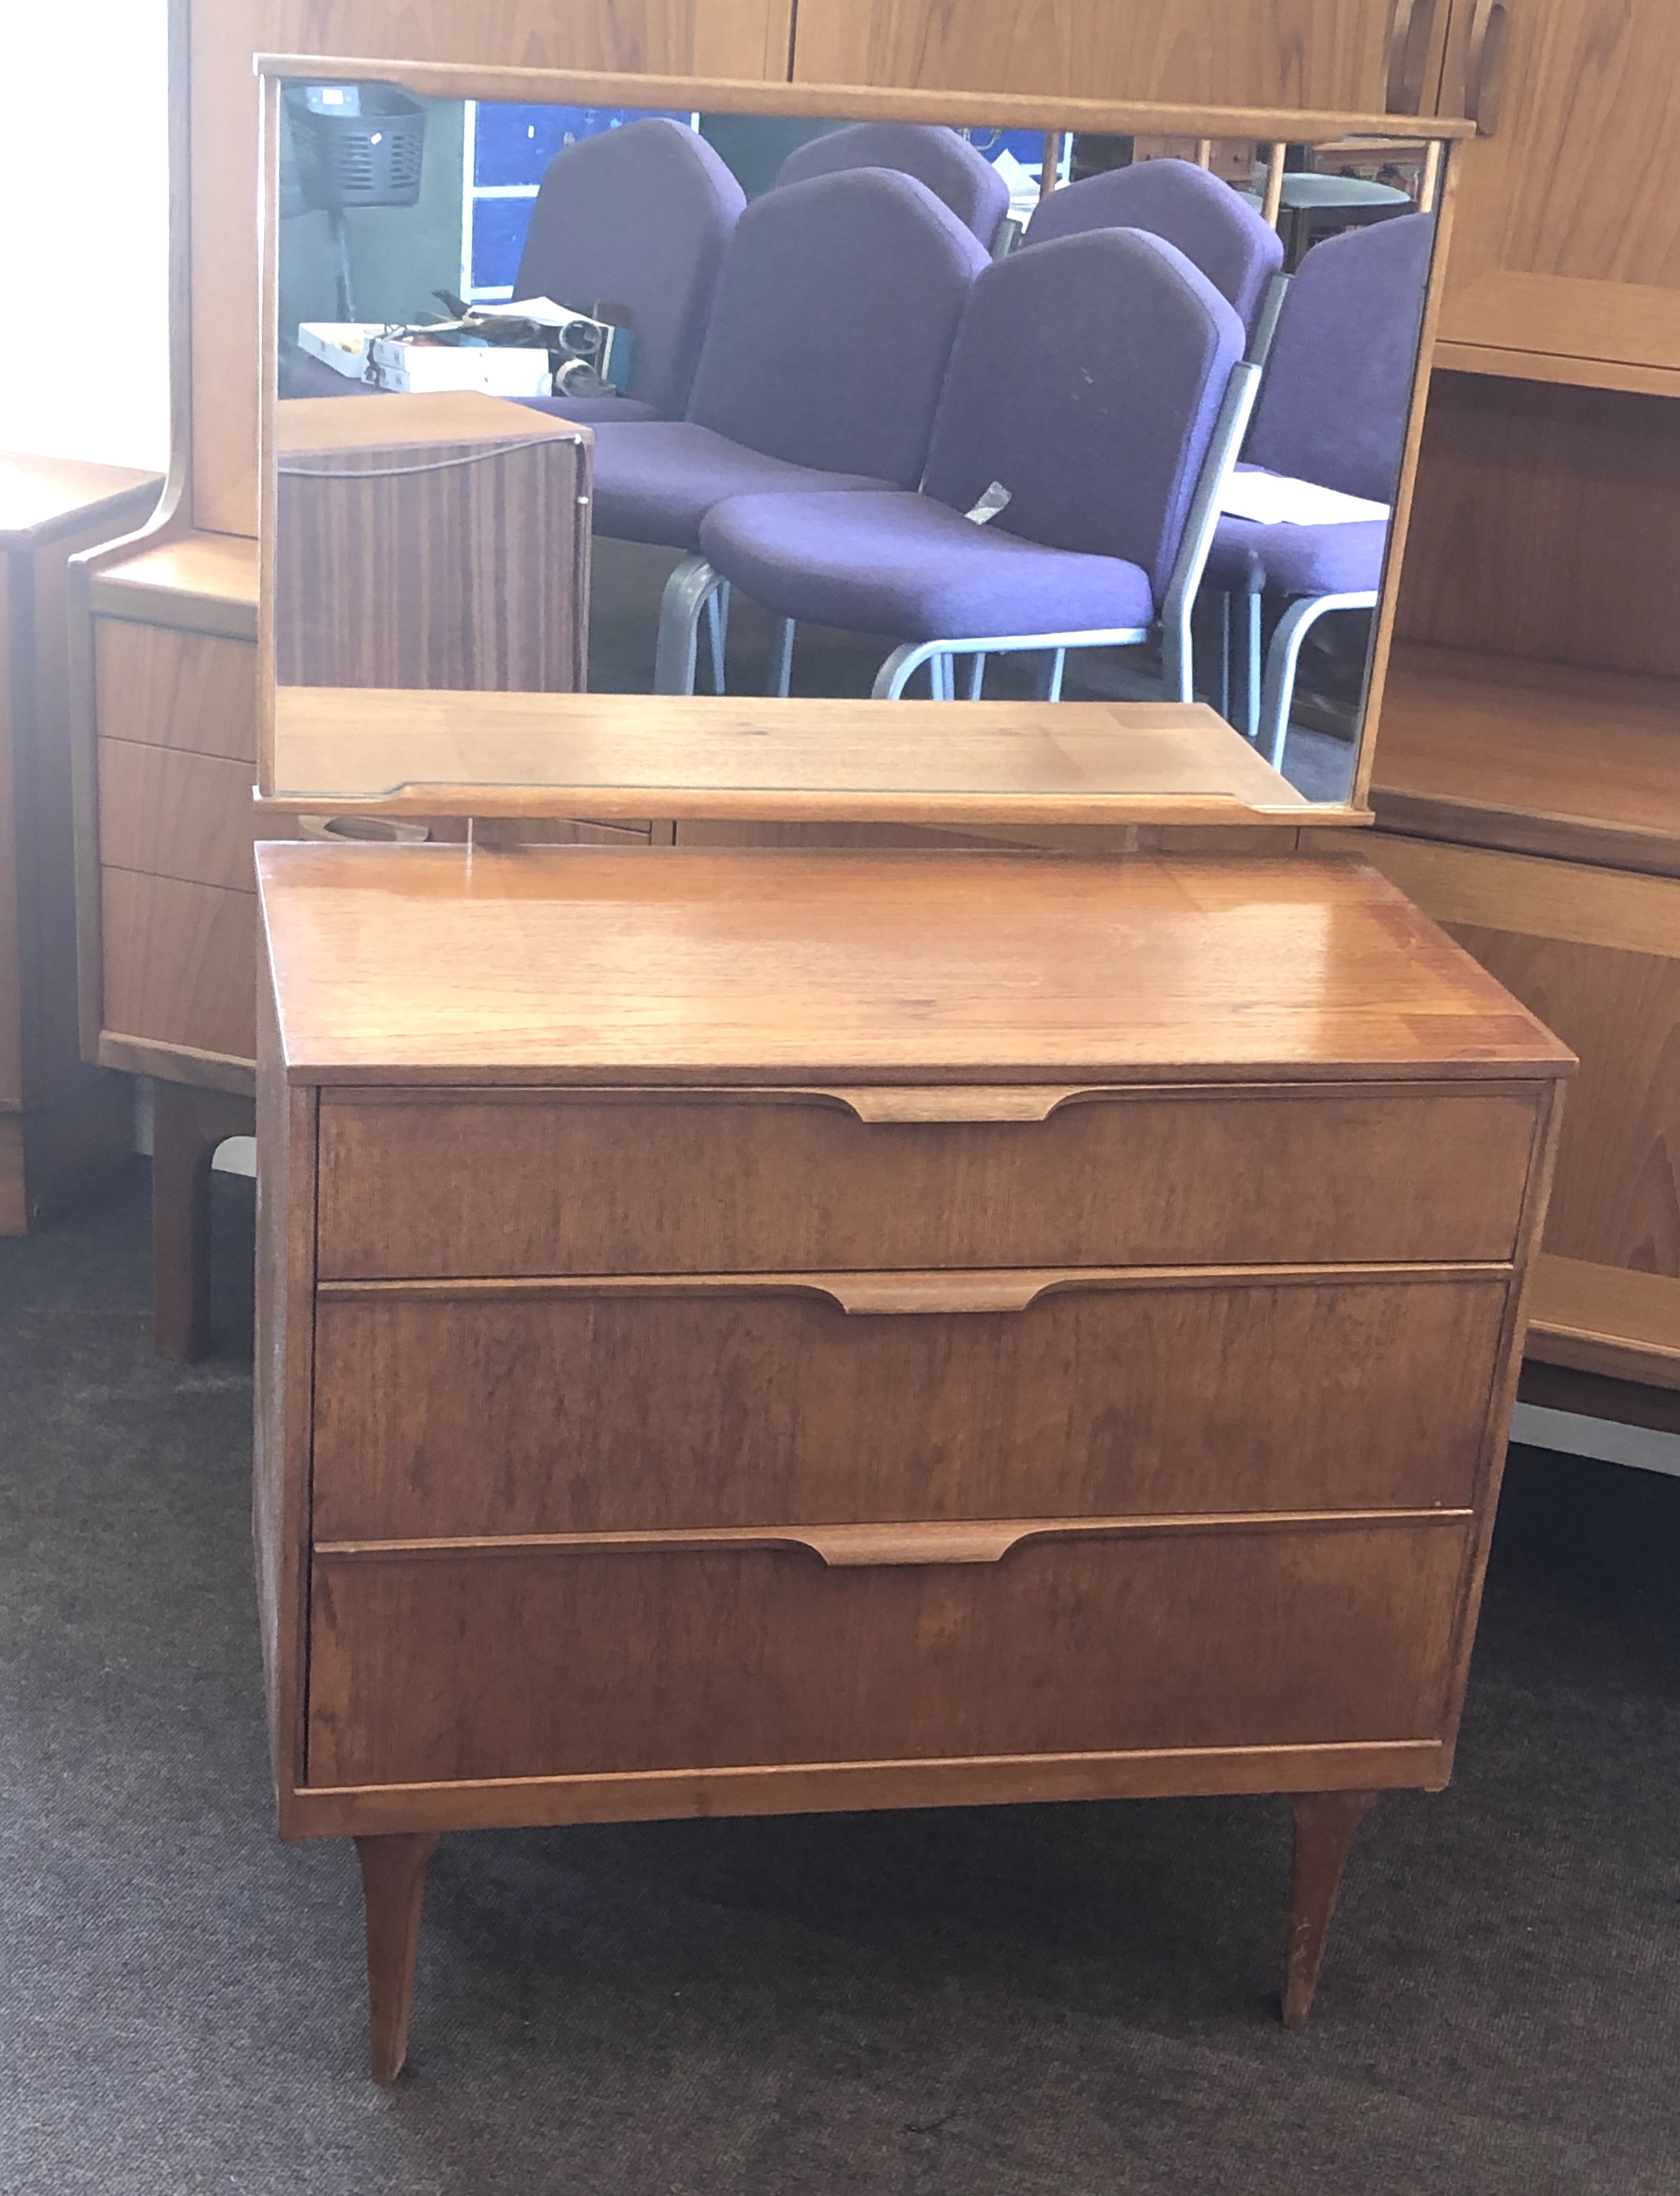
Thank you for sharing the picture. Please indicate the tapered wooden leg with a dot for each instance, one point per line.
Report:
(393, 1887)
(1324, 1823)
(187, 1126)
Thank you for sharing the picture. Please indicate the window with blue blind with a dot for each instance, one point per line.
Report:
(508, 149)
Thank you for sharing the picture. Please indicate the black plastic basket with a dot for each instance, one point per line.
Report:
(368, 157)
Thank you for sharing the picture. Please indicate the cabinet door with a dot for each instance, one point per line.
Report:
(1242, 53)
(1566, 242)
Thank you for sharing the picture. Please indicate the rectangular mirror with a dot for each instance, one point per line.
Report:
(1094, 424)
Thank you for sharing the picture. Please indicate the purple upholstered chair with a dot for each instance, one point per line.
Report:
(1113, 428)
(637, 217)
(952, 169)
(822, 369)
(1213, 227)
(1332, 411)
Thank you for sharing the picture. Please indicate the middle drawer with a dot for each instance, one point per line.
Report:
(579, 1408)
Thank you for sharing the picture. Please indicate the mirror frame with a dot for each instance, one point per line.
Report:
(1277, 127)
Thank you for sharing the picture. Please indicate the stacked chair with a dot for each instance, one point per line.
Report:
(958, 175)
(1333, 412)
(1113, 441)
(835, 311)
(1216, 230)
(638, 217)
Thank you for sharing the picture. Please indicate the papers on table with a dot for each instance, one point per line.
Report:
(1275, 499)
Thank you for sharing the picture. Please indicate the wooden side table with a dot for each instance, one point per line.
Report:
(58, 1117)
(744, 1333)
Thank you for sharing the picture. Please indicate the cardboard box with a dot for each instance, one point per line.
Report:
(341, 345)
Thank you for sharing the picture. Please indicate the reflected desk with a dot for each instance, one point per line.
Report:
(752, 1333)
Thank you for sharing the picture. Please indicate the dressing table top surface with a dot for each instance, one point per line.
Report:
(714, 967)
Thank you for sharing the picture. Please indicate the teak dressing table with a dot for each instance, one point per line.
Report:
(746, 1332)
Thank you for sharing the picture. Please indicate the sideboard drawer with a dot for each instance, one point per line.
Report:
(583, 1409)
(669, 1658)
(531, 1183)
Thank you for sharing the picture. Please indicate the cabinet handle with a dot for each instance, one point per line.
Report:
(858, 1547)
(868, 1294)
(1019, 1102)
(1485, 66)
(1410, 29)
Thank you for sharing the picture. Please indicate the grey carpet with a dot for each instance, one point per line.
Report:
(984, 2003)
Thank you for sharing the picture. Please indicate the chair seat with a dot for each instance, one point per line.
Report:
(898, 563)
(1339, 559)
(589, 411)
(655, 481)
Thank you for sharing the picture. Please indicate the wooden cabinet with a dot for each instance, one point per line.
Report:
(1316, 54)
(1565, 253)
(745, 1332)
(1525, 776)
(59, 1119)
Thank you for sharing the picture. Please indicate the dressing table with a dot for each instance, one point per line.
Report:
(983, 1260)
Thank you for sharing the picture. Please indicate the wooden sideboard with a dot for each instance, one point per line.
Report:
(58, 1117)
(752, 1333)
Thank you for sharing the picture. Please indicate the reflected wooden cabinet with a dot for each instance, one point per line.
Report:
(1238, 53)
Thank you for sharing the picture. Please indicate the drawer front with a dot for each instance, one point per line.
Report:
(166, 688)
(585, 1411)
(535, 1184)
(179, 962)
(445, 1668)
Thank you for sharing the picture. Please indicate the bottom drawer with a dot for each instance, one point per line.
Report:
(513, 1662)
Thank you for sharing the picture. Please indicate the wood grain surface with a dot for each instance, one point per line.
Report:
(1545, 524)
(1567, 238)
(1502, 751)
(180, 964)
(42, 498)
(741, 757)
(1234, 53)
(541, 1183)
(1078, 1407)
(1203, 1639)
(1607, 1321)
(673, 966)
(430, 541)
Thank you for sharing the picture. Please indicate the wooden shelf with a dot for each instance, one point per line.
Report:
(1605, 1319)
(206, 582)
(360, 749)
(1533, 758)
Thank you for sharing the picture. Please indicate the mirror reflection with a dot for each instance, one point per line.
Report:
(872, 409)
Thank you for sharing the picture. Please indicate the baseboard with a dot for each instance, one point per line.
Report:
(1643, 1448)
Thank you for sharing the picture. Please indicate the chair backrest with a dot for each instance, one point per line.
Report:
(1338, 383)
(1087, 379)
(637, 217)
(833, 323)
(1213, 227)
(958, 175)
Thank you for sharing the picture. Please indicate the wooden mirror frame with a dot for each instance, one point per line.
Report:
(1277, 127)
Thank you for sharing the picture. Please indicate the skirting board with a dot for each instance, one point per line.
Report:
(1601, 1439)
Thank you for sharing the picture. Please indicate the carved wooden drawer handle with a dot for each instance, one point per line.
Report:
(899, 1293)
(1485, 67)
(855, 1547)
(955, 1103)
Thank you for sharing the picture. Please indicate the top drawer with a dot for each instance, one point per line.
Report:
(423, 1185)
